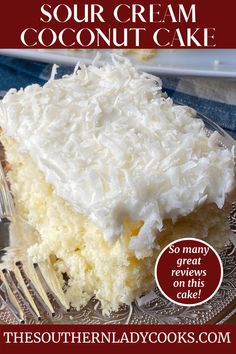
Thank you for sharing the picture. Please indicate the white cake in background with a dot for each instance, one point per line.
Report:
(108, 171)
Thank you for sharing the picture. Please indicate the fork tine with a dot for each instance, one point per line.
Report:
(6, 201)
(10, 300)
(8, 303)
(5, 210)
(18, 292)
(48, 276)
(28, 272)
(25, 287)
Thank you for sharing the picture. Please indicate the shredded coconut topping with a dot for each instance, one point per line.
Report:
(115, 148)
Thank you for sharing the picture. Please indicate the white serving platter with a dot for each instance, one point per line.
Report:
(218, 63)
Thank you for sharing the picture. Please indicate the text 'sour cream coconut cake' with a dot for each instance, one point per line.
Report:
(108, 171)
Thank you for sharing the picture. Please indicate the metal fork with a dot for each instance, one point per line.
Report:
(26, 289)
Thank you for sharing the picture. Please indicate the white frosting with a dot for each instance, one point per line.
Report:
(115, 148)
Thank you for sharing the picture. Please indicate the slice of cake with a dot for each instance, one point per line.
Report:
(108, 171)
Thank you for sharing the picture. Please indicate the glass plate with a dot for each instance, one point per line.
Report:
(152, 308)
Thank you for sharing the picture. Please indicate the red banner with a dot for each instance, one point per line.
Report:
(162, 339)
(117, 24)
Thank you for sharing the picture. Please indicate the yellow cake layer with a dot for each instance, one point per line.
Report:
(76, 246)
